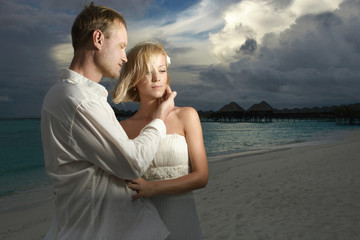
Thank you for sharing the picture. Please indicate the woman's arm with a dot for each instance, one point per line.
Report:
(197, 178)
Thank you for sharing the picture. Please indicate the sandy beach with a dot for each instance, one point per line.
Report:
(306, 192)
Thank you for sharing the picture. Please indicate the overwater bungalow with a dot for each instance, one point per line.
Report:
(260, 112)
(347, 114)
(231, 112)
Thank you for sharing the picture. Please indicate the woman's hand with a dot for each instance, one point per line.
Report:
(142, 187)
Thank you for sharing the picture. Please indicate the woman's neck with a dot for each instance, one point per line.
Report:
(147, 110)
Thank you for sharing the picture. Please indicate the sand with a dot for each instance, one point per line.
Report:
(307, 192)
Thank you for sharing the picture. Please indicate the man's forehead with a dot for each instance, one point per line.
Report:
(118, 25)
(119, 30)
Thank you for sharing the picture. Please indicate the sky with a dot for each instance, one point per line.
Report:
(289, 53)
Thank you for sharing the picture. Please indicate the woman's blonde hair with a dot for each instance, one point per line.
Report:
(140, 60)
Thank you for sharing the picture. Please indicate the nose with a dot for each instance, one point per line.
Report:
(124, 58)
(155, 76)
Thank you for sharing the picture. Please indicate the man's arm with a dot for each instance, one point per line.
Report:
(101, 140)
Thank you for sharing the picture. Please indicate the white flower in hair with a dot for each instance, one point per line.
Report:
(168, 60)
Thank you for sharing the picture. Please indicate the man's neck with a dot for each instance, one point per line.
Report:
(83, 64)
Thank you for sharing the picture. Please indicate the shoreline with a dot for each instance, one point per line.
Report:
(301, 191)
(20, 199)
(25, 198)
(339, 137)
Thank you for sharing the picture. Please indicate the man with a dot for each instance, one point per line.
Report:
(87, 153)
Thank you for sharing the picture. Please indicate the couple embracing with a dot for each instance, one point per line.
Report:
(128, 180)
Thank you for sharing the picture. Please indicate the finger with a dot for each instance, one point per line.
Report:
(172, 95)
(133, 181)
(167, 92)
(134, 186)
(168, 89)
(136, 196)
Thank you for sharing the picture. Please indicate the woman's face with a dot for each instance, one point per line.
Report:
(153, 84)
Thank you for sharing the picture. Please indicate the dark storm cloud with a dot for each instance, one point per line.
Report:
(31, 29)
(313, 62)
(280, 4)
(323, 47)
(189, 68)
(248, 48)
(26, 68)
(316, 62)
(176, 51)
(26, 71)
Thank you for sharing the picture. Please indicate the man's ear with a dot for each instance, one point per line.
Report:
(98, 38)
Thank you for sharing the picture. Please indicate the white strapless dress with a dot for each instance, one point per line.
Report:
(177, 211)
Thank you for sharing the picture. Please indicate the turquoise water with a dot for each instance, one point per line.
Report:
(21, 155)
(239, 137)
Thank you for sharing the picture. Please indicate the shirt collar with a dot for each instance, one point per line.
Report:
(74, 77)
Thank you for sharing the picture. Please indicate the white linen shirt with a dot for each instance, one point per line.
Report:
(88, 155)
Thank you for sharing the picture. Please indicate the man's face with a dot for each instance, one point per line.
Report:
(112, 53)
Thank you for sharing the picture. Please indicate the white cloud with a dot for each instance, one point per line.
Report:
(188, 29)
(302, 7)
(313, 62)
(62, 54)
(255, 18)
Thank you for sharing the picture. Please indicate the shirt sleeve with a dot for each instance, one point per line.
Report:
(100, 139)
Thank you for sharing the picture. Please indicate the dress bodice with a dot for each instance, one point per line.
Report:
(171, 159)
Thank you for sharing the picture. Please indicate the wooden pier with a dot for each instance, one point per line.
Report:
(264, 113)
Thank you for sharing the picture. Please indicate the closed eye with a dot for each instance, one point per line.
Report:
(122, 45)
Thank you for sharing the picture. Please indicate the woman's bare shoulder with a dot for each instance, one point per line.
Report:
(185, 113)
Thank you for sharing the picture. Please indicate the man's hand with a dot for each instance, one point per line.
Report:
(166, 104)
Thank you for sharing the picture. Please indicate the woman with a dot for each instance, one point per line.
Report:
(180, 164)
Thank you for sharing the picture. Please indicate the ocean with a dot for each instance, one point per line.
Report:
(22, 163)
(222, 138)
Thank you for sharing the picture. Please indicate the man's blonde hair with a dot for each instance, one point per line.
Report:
(140, 60)
(93, 18)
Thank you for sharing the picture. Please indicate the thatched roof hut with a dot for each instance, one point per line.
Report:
(261, 112)
(231, 107)
(261, 107)
(229, 112)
